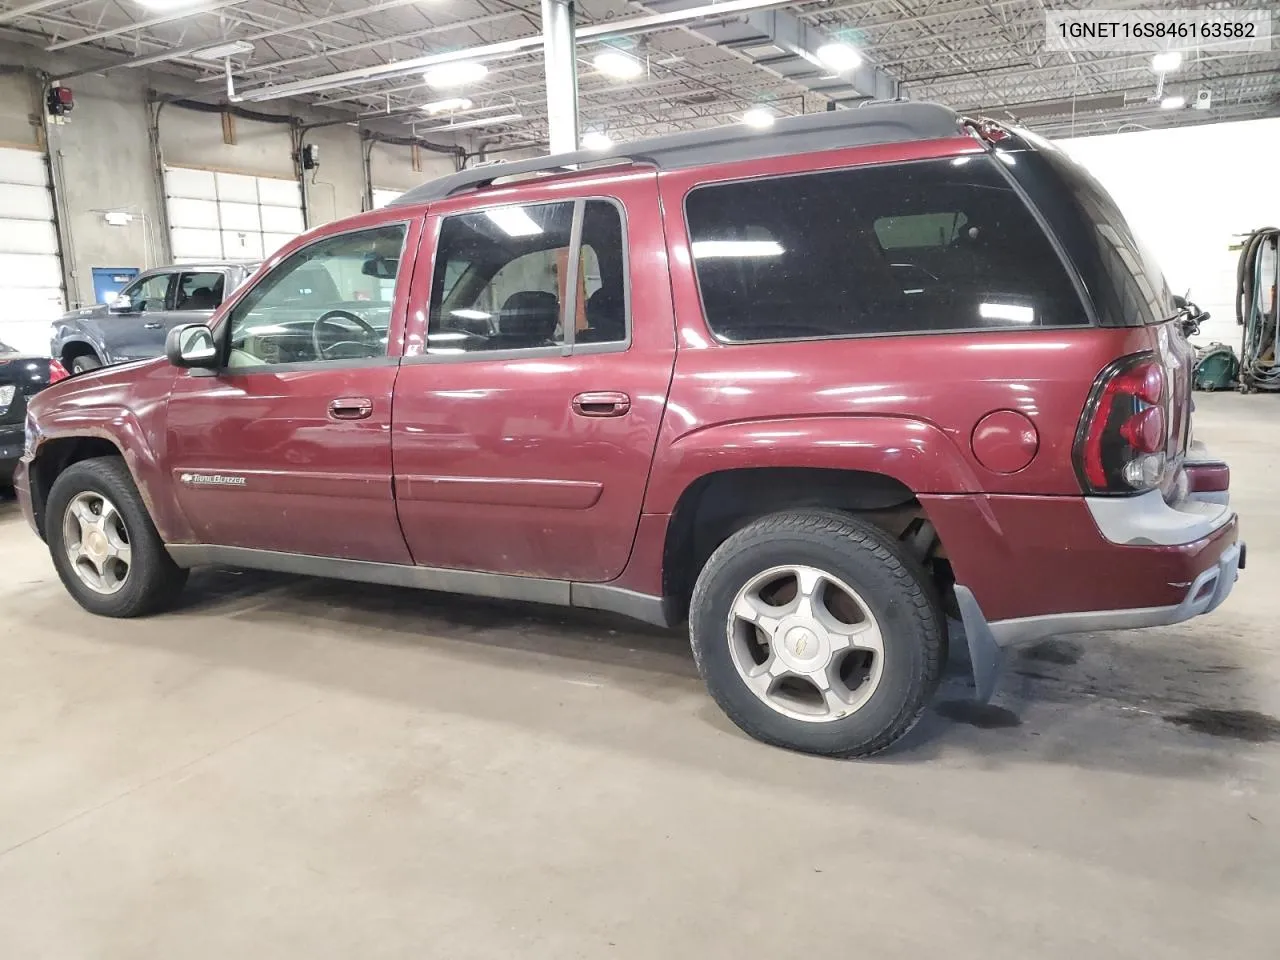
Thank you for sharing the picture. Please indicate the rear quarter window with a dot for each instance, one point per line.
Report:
(918, 247)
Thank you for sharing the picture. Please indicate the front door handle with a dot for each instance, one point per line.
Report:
(603, 403)
(153, 325)
(350, 408)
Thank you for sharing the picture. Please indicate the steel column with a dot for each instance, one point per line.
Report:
(561, 66)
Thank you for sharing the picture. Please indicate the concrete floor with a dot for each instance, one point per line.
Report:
(292, 768)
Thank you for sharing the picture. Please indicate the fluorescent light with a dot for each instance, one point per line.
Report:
(513, 221)
(595, 140)
(758, 117)
(164, 5)
(1006, 311)
(476, 122)
(711, 249)
(619, 65)
(457, 73)
(223, 50)
(1173, 103)
(1166, 62)
(840, 57)
(466, 313)
(451, 105)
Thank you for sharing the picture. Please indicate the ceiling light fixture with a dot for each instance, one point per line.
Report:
(451, 105)
(1173, 103)
(1166, 62)
(457, 73)
(223, 50)
(619, 65)
(839, 57)
(595, 140)
(759, 117)
(477, 122)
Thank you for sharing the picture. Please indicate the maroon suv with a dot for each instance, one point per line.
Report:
(812, 389)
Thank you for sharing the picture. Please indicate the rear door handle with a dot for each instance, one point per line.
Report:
(153, 325)
(603, 403)
(350, 408)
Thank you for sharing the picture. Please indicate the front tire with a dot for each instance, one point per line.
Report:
(814, 631)
(107, 551)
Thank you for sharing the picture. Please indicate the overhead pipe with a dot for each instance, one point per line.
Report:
(598, 31)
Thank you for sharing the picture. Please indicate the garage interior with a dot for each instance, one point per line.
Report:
(286, 766)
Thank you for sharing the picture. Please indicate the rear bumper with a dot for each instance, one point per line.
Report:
(1059, 565)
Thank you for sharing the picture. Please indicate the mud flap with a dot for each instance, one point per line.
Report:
(985, 655)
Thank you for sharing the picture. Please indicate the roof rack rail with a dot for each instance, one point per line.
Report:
(892, 122)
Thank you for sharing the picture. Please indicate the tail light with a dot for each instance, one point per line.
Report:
(57, 372)
(1121, 441)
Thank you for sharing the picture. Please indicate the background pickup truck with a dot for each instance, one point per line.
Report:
(134, 325)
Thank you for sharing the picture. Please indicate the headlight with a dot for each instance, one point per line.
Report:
(6, 397)
(30, 437)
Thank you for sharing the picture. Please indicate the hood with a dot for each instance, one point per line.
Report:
(106, 386)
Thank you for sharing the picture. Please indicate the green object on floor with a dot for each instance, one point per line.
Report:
(1216, 369)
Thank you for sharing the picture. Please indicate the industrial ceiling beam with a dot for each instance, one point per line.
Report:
(178, 14)
(397, 68)
(16, 12)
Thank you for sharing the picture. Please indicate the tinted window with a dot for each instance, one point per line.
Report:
(148, 294)
(329, 301)
(501, 279)
(901, 248)
(199, 291)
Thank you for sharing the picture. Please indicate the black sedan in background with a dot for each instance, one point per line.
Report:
(20, 377)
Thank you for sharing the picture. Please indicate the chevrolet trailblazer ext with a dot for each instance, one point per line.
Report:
(812, 389)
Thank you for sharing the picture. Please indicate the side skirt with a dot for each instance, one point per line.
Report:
(561, 593)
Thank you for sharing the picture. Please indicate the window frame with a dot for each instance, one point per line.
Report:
(222, 333)
(568, 309)
(1068, 267)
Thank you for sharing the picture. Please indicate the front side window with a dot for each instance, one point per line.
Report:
(502, 279)
(199, 291)
(148, 294)
(329, 301)
(899, 248)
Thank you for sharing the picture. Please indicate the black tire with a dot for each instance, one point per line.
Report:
(153, 582)
(84, 363)
(893, 586)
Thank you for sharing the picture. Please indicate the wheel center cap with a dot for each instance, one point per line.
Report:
(802, 647)
(96, 543)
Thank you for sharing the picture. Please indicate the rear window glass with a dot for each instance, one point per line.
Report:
(917, 247)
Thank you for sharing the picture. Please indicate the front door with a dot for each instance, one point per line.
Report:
(526, 419)
(130, 327)
(288, 447)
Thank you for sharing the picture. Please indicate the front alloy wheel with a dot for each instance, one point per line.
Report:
(96, 539)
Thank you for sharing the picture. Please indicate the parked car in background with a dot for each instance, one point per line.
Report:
(809, 389)
(133, 326)
(20, 377)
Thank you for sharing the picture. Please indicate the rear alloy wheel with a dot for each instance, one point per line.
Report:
(85, 363)
(815, 631)
(103, 543)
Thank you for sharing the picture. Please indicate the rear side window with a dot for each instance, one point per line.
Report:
(919, 247)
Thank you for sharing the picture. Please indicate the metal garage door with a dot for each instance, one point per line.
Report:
(229, 216)
(30, 265)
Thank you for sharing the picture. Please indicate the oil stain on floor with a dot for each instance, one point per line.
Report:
(1236, 724)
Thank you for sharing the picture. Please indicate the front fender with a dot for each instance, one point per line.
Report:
(915, 453)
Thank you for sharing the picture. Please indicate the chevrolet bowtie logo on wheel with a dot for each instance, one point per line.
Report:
(211, 480)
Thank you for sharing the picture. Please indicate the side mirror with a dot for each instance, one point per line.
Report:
(121, 304)
(191, 346)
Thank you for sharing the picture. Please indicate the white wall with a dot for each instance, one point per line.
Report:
(1189, 192)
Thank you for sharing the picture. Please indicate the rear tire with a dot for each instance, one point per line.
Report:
(816, 632)
(84, 363)
(107, 551)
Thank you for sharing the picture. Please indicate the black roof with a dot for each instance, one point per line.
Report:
(895, 122)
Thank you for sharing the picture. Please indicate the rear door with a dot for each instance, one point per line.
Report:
(195, 296)
(527, 411)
